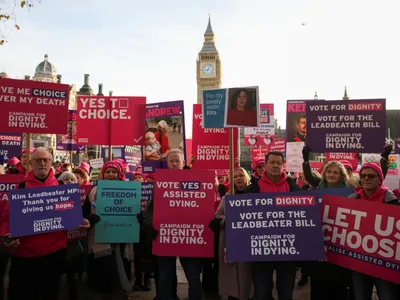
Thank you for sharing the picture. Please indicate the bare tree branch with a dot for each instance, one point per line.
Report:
(8, 15)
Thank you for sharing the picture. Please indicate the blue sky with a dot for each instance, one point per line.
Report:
(149, 48)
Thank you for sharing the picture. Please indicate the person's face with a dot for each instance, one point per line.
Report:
(139, 178)
(79, 179)
(175, 161)
(241, 100)
(23, 159)
(139, 169)
(151, 140)
(69, 181)
(149, 179)
(274, 166)
(302, 126)
(111, 174)
(162, 129)
(370, 180)
(239, 179)
(332, 175)
(259, 169)
(57, 164)
(41, 164)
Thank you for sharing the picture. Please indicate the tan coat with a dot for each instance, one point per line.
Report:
(234, 279)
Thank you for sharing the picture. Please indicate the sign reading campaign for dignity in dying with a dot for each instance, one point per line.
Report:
(184, 207)
(346, 126)
(211, 145)
(47, 209)
(113, 117)
(117, 204)
(275, 226)
(233, 107)
(10, 145)
(33, 107)
(363, 236)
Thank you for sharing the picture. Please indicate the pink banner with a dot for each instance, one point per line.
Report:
(33, 107)
(363, 236)
(351, 157)
(184, 207)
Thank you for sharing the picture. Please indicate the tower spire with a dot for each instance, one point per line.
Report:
(315, 96)
(345, 97)
(209, 31)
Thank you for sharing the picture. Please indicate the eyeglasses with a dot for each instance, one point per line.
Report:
(39, 160)
(370, 176)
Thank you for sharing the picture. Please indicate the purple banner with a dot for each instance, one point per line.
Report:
(67, 142)
(346, 125)
(276, 226)
(165, 130)
(147, 194)
(40, 210)
(11, 145)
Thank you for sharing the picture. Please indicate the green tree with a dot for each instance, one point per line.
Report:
(8, 15)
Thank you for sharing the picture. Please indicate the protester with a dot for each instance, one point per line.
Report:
(274, 179)
(104, 273)
(82, 176)
(38, 260)
(11, 166)
(373, 189)
(22, 164)
(150, 177)
(235, 278)
(258, 169)
(68, 178)
(166, 266)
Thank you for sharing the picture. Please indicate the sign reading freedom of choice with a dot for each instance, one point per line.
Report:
(363, 236)
(33, 107)
(47, 209)
(117, 204)
(346, 126)
(275, 226)
(184, 207)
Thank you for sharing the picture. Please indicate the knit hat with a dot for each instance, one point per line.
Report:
(375, 167)
(13, 161)
(138, 173)
(259, 161)
(114, 165)
(85, 167)
(120, 162)
(347, 164)
(24, 151)
(151, 175)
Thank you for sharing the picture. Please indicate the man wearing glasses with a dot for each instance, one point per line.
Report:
(38, 260)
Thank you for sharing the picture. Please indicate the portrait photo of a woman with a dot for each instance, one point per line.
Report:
(243, 108)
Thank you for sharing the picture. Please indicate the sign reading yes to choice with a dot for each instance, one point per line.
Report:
(47, 209)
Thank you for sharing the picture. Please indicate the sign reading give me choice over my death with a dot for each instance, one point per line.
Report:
(46, 209)
(275, 226)
(346, 126)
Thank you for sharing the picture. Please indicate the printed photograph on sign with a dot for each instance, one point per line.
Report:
(68, 141)
(165, 130)
(265, 133)
(296, 121)
(242, 107)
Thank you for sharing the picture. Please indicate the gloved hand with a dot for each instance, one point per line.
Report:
(215, 225)
(93, 219)
(387, 150)
(306, 153)
(153, 233)
(140, 218)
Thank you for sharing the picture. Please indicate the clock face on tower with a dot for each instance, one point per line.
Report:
(208, 69)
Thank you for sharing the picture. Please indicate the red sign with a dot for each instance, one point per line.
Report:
(111, 120)
(351, 157)
(184, 207)
(8, 183)
(211, 145)
(33, 107)
(363, 236)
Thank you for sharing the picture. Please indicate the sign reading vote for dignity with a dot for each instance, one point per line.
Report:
(275, 226)
(363, 236)
(47, 209)
(113, 117)
(117, 204)
(33, 107)
(346, 126)
(183, 209)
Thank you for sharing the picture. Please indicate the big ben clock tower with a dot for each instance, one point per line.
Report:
(208, 65)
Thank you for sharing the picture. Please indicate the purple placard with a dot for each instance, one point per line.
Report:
(173, 113)
(346, 125)
(40, 210)
(11, 145)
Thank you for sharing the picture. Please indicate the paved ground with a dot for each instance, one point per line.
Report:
(174, 138)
